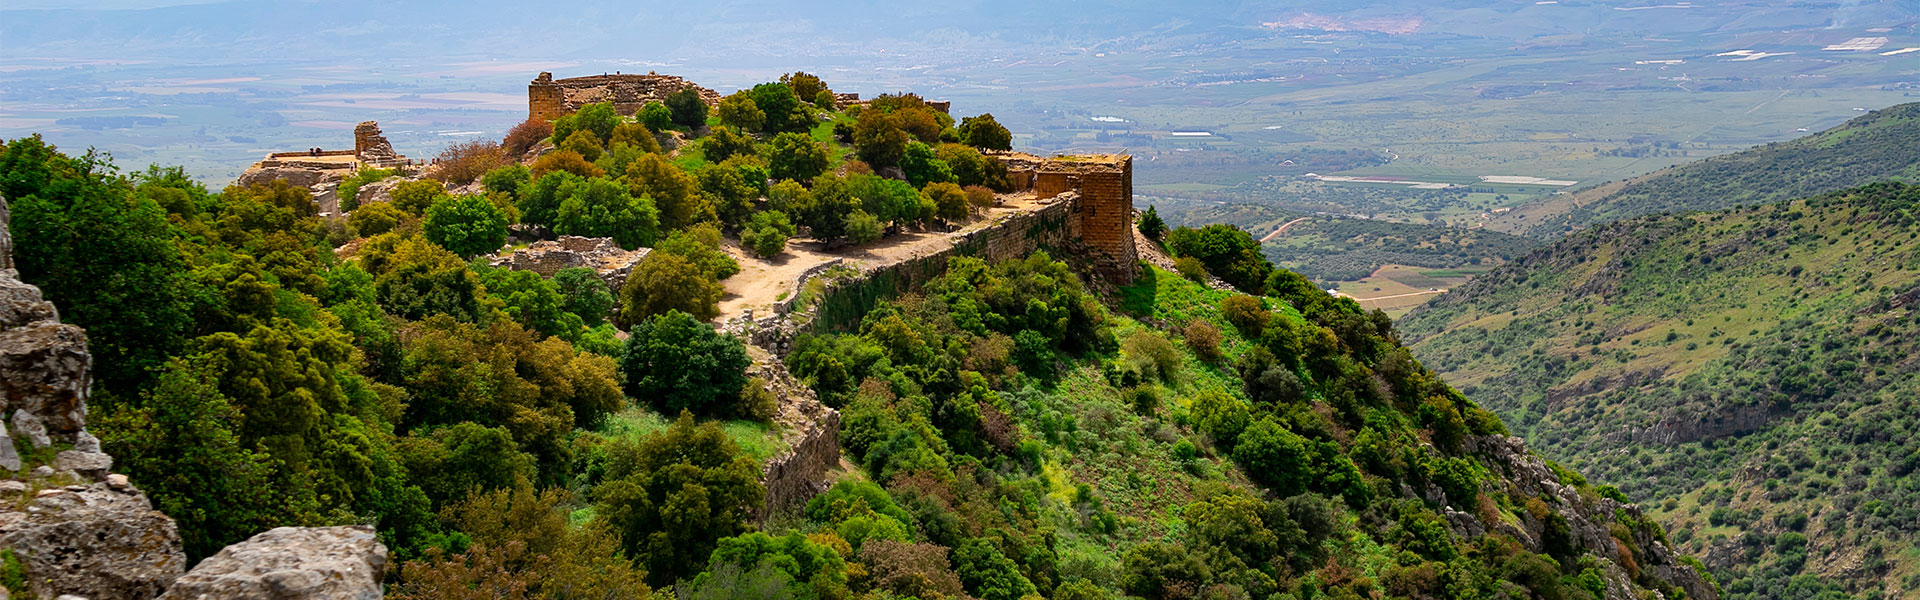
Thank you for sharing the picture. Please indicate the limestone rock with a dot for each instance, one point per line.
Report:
(290, 563)
(98, 541)
(45, 372)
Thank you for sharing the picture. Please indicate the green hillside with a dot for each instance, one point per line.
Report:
(1331, 248)
(1877, 146)
(1750, 372)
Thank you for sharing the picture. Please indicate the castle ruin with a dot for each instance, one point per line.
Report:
(1101, 219)
(549, 98)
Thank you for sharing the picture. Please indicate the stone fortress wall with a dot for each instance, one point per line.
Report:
(549, 98)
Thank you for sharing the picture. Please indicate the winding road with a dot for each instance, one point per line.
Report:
(1283, 229)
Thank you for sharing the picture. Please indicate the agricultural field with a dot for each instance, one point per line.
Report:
(1397, 289)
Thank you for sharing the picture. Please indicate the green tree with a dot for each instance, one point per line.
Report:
(376, 218)
(1275, 456)
(415, 196)
(824, 209)
(724, 142)
(1228, 252)
(466, 225)
(680, 363)
(540, 205)
(796, 156)
(700, 245)
(180, 447)
(599, 207)
(533, 301)
(889, 200)
(727, 190)
(988, 573)
(985, 133)
(598, 119)
(1151, 225)
(922, 166)
(688, 109)
(784, 110)
(1162, 571)
(101, 255)
(673, 495)
(739, 111)
(583, 142)
(878, 139)
(674, 192)
(585, 294)
(511, 180)
(951, 200)
(455, 461)
(805, 85)
(766, 235)
(655, 116)
(664, 282)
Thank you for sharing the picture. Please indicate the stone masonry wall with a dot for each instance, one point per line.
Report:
(549, 98)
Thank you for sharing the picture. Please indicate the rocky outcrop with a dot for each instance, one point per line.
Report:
(45, 373)
(1587, 520)
(102, 541)
(291, 563)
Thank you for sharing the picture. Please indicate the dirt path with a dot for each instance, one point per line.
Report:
(762, 282)
(1283, 229)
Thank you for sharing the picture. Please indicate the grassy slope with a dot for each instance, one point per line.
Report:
(1760, 358)
(1876, 146)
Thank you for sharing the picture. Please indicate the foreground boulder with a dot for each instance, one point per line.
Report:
(289, 563)
(101, 542)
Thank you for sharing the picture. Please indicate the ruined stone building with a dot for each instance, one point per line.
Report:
(1101, 219)
(549, 98)
(321, 170)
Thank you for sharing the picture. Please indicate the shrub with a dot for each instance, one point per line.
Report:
(1227, 251)
(464, 162)
(1275, 456)
(664, 282)
(1151, 354)
(677, 362)
(376, 218)
(700, 244)
(862, 227)
(524, 136)
(980, 198)
(1203, 339)
(1247, 314)
(878, 139)
(349, 190)
(950, 199)
(766, 235)
(1190, 268)
(565, 160)
(584, 143)
(467, 225)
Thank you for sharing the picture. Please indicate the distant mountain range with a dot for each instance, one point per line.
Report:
(498, 29)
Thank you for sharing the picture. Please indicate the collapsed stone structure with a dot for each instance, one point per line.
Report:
(549, 98)
(321, 171)
(612, 262)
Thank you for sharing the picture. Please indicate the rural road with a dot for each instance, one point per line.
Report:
(1400, 295)
(1282, 229)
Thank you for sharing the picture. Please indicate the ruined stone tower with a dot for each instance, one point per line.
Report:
(1102, 187)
